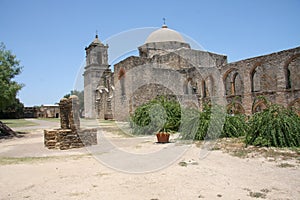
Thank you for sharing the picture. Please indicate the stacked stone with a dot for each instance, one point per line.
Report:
(64, 113)
(73, 104)
(50, 140)
(70, 135)
(66, 139)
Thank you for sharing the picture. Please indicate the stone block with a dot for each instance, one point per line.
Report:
(51, 143)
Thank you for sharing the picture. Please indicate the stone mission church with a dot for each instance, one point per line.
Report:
(203, 76)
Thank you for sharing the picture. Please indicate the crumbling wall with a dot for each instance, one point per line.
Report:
(66, 138)
(69, 135)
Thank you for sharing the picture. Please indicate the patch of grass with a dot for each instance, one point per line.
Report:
(13, 160)
(236, 147)
(265, 190)
(106, 121)
(22, 160)
(13, 123)
(262, 194)
(182, 164)
(257, 195)
(215, 148)
(198, 144)
(285, 165)
(283, 153)
(50, 119)
(102, 174)
(241, 153)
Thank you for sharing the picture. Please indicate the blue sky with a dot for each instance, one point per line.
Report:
(49, 36)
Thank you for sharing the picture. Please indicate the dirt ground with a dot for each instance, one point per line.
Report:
(228, 171)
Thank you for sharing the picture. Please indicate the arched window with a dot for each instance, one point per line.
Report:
(208, 87)
(233, 83)
(190, 87)
(204, 89)
(121, 78)
(235, 108)
(288, 77)
(259, 106)
(292, 72)
(255, 85)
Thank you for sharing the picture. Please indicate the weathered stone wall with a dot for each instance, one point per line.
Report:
(202, 59)
(184, 72)
(66, 138)
(274, 76)
(266, 76)
(69, 135)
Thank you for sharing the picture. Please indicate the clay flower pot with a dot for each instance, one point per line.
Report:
(162, 137)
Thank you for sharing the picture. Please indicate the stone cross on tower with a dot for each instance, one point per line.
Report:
(164, 25)
(96, 65)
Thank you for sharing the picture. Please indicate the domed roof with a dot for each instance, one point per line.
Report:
(96, 40)
(164, 34)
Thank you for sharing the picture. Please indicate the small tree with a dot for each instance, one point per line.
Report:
(9, 68)
(13, 111)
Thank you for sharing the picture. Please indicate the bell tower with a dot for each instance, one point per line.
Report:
(96, 64)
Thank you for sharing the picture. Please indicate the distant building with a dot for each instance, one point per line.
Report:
(116, 94)
(30, 112)
(44, 111)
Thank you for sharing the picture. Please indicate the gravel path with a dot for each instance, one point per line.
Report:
(35, 172)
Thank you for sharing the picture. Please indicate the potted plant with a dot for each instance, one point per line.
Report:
(163, 136)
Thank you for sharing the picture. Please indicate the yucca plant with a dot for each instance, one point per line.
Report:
(275, 126)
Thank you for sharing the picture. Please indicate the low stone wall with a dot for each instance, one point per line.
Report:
(69, 135)
(66, 138)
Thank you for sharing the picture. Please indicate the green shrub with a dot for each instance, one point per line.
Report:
(156, 115)
(275, 126)
(198, 125)
(235, 126)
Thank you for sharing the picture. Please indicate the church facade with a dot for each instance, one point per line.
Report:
(168, 66)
